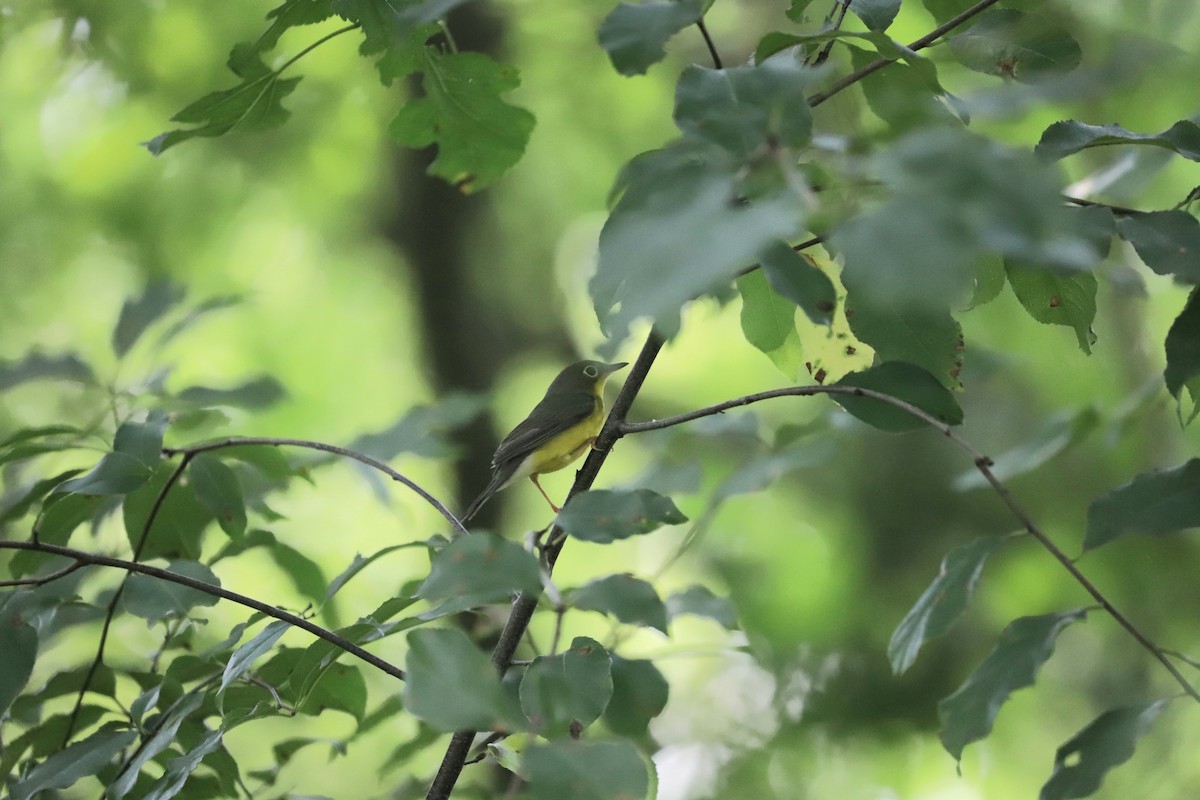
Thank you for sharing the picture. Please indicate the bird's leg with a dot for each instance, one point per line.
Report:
(543, 491)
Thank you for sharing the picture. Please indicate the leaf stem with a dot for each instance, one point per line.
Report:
(315, 45)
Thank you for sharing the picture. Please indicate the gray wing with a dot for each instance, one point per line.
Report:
(553, 417)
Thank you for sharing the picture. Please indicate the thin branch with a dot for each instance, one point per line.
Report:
(362, 458)
(522, 611)
(982, 463)
(95, 559)
(919, 44)
(315, 45)
(111, 610)
(44, 579)
(1122, 210)
(712, 48)
(841, 7)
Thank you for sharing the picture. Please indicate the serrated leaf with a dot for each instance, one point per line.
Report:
(218, 490)
(640, 693)
(1060, 432)
(1055, 298)
(1155, 502)
(797, 277)
(1168, 242)
(905, 382)
(634, 34)
(877, 15)
(1070, 136)
(78, 760)
(629, 599)
(482, 567)
(154, 599)
(254, 395)
(1026, 644)
(478, 135)
(691, 191)
(1014, 44)
(563, 694)
(1108, 741)
(700, 602)
(742, 109)
(255, 104)
(943, 602)
(586, 771)
(453, 686)
(292, 13)
(1183, 357)
(36, 366)
(604, 516)
(138, 314)
(19, 644)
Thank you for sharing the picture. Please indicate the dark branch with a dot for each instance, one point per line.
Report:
(981, 462)
(708, 41)
(94, 559)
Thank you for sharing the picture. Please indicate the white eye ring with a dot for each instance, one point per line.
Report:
(591, 372)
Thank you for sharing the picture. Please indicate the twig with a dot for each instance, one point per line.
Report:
(96, 559)
(1122, 210)
(44, 579)
(522, 610)
(362, 458)
(712, 48)
(982, 463)
(919, 44)
(841, 7)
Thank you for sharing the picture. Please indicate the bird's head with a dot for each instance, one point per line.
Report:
(584, 376)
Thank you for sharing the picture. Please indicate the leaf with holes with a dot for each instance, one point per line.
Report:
(1108, 741)
(1055, 298)
(1014, 44)
(604, 516)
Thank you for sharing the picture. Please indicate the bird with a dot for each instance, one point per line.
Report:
(557, 431)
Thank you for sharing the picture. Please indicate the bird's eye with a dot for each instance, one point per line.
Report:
(591, 372)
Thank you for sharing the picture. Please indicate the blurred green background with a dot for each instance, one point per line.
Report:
(368, 290)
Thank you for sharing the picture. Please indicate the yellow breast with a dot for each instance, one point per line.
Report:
(568, 445)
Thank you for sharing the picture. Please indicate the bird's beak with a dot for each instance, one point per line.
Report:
(610, 368)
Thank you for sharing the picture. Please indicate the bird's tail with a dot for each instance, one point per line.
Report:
(499, 479)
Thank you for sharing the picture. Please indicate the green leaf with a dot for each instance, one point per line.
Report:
(218, 490)
(163, 737)
(78, 760)
(797, 277)
(255, 104)
(1155, 502)
(19, 644)
(769, 323)
(359, 563)
(1069, 136)
(924, 336)
(563, 694)
(423, 430)
(142, 440)
(180, 769)
(989, 281)
(244, 657)
(634, 34)
(155, 599)
(700, 602)
(604, 516)
(1026, 644)
(1054, 298)
(796, 10)
(139, 314)
(1108, 741)
(1060, 432)
(482, 567)
(61, 514)
(339, 687)
(586, 771)
(205, 307)
(629, 599)
(640, 694)
(877, 15)
(691, 191)
(1168, 242)
(904, 382)
(453, 686)
(744, 109)
(292, 13)
(117, 473)
(179, 524)
(38, 367)
(478, 135)
(254, 395)
(763, 469)
(1183, 357)
(942, 603)
(304, 573)
(1013, 44)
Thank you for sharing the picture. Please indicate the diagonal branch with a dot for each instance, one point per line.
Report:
(982, 463)
(94, 559)
(919, 44)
